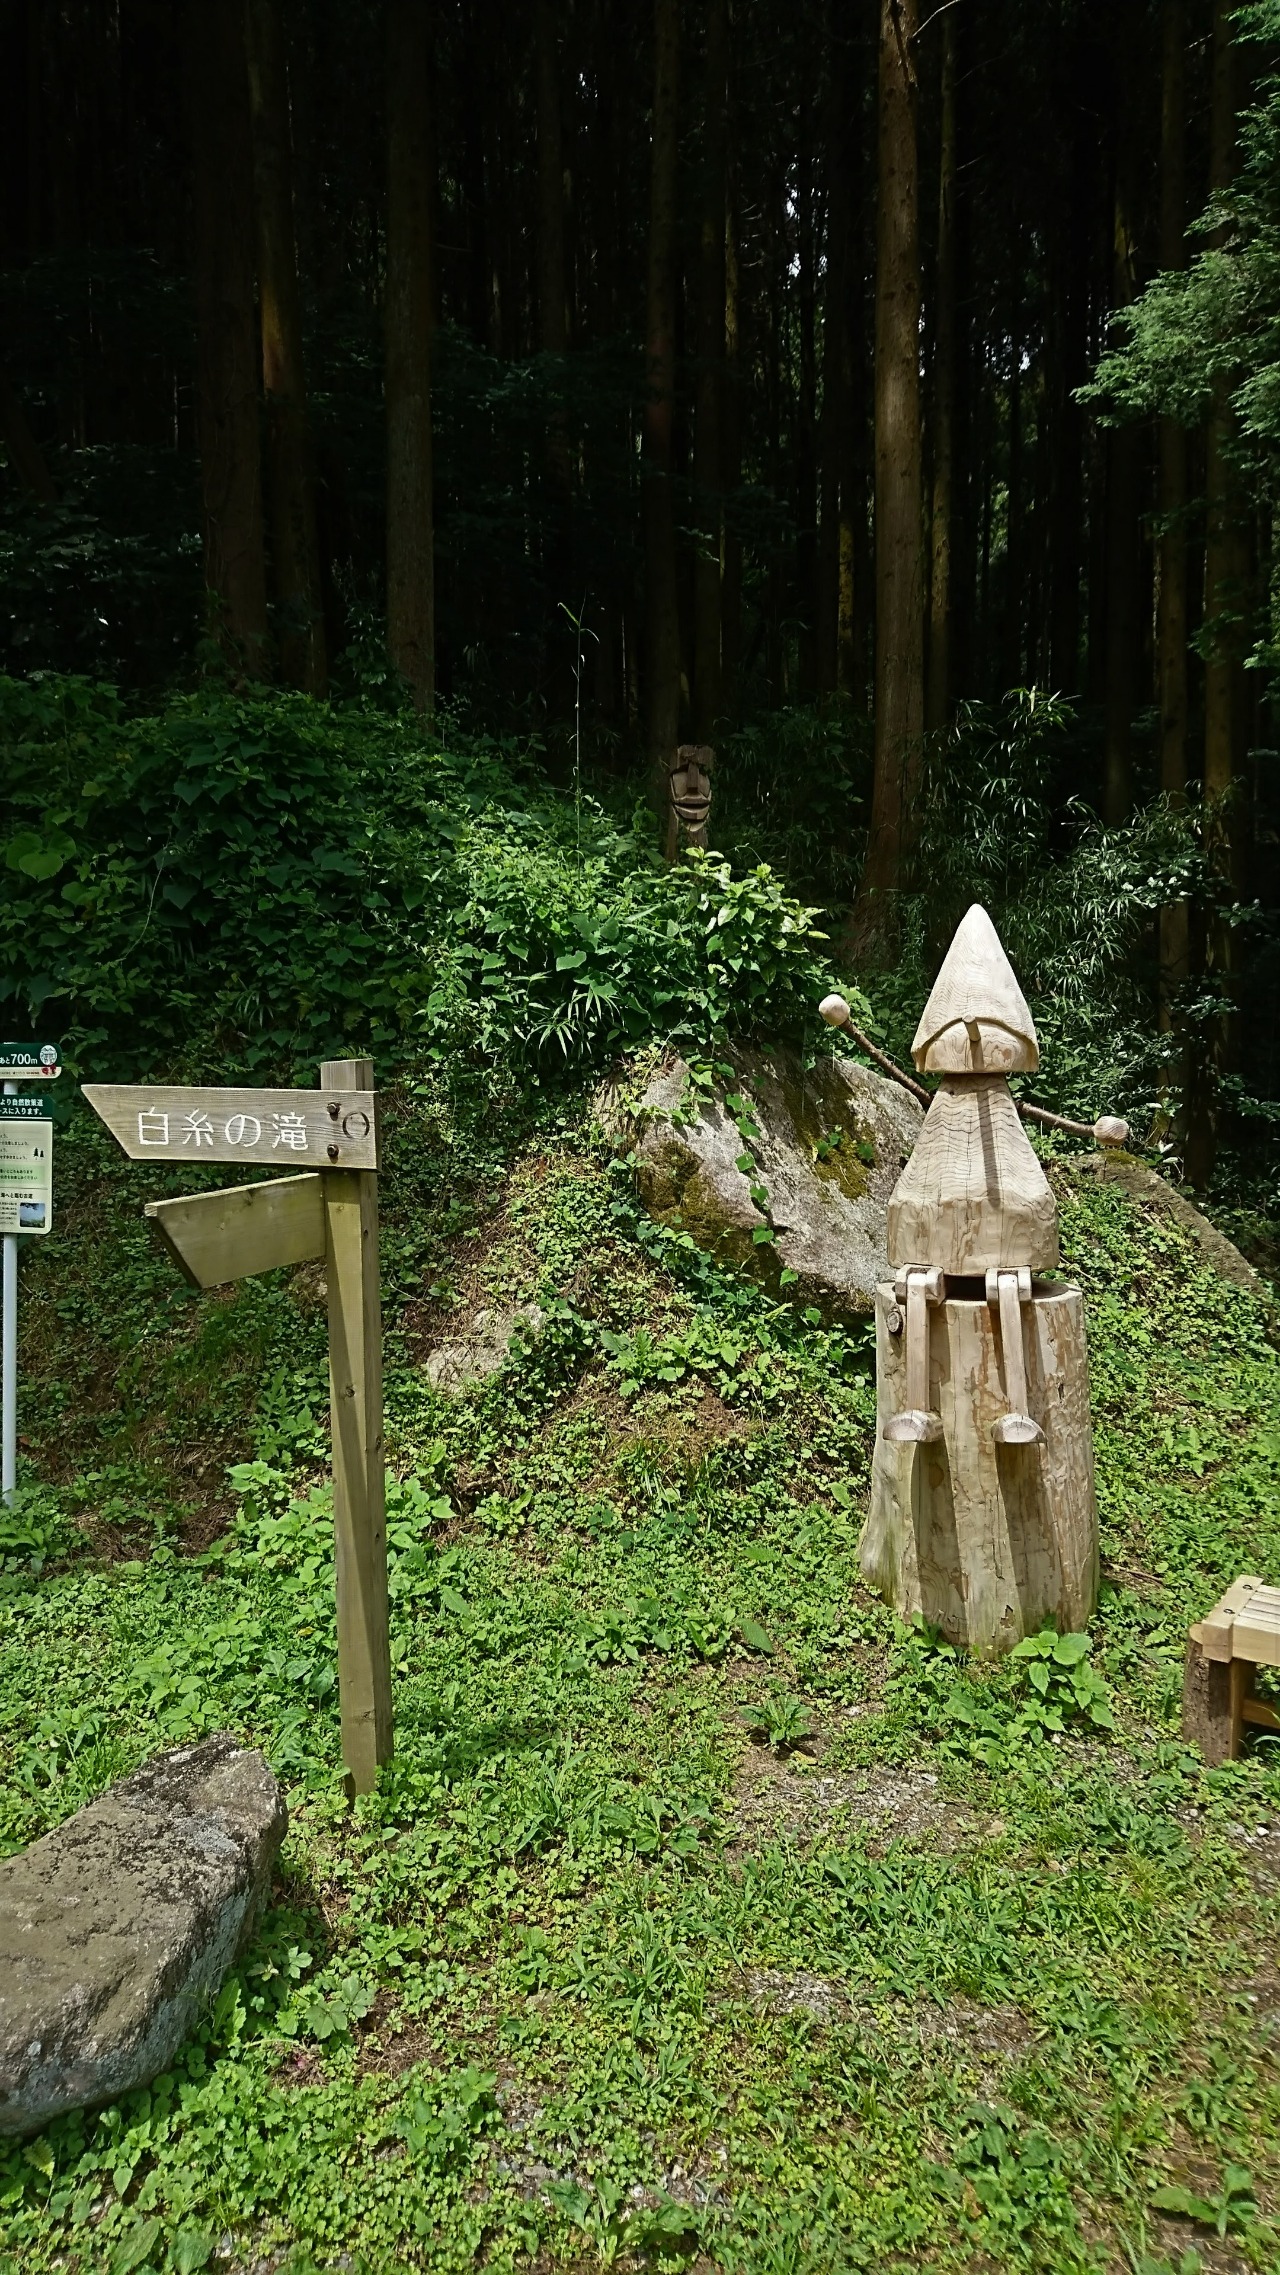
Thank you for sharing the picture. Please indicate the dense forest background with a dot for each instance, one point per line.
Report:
(878, 396)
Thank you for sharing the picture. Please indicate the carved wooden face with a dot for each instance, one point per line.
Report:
(691, 793)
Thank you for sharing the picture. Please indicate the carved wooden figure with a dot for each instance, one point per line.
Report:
(690, 792)
(983, 1518)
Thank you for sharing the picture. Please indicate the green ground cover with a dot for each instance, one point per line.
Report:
(705, 1919)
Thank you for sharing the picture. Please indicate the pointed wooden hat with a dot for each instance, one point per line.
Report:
(976, 1020)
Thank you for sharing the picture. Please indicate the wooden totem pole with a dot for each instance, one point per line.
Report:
(689, 789)
(983, 1519)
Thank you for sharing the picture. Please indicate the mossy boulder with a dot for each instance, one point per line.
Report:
(117, 1928)
(832, 1141)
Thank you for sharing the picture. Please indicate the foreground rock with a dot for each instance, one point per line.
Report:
(118, 1927)
(833, 1139)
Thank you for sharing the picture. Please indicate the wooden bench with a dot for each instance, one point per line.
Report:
(1241, 1633)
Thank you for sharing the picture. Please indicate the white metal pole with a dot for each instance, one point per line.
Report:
(9, 1382)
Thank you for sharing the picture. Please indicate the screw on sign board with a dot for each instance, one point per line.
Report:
(329, 1211)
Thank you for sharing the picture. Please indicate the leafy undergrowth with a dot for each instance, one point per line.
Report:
(704, 1920)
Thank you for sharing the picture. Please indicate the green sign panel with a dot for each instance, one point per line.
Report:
(30, 1062)
(24, 1109)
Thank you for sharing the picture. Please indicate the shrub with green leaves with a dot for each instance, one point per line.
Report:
(1062, 1686)
(251, 881)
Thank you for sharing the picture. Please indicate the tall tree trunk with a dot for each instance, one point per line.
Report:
(291, 488)
(473, 185)
(1171, 689)
(410, 531)
(1123, 477)
(771, 345)
(838, 438)
(1070, 259)
(1226, 566)
(804, 451)
(227, 333)
(856, 638)
(1226, 545)
(1014, 596)
(662, 623)
(899, 635)
(552, 297)
(731, 462)
(708, 479)
(962, 582)
(553, 340)
(938, 677)
(855, 630)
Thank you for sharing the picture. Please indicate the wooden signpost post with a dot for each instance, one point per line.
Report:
(329, 1211)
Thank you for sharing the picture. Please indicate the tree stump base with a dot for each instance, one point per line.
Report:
(986, 1542)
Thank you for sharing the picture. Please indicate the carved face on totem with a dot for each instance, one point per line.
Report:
(690, 780)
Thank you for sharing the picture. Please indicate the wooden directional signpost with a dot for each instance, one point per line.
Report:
(327, 1208)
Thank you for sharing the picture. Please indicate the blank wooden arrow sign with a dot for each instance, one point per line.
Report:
(216, 1237)
(288, 1128)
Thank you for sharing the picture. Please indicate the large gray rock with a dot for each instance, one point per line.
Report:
(119, 1925)
(833, 1139)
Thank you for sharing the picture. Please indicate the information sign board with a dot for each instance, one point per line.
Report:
(30, 1062)
(24, 1109)
(26, 1176)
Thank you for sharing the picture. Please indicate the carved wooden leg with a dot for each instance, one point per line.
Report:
(987, 1542)
(917, 1424)
(1010, 1290)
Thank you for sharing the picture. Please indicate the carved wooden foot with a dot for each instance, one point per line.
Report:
(915, 1426)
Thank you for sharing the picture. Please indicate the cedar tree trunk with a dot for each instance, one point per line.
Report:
(1123, 494)
(707, 478)
(899, 629)
(662, 623)
(228, 353)
(1225, 583)
(1172, 487)
(410, 534)
(291, 490)
(938, 681)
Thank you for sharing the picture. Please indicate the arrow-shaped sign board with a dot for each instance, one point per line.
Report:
(216, 1237)
(288, 1128)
